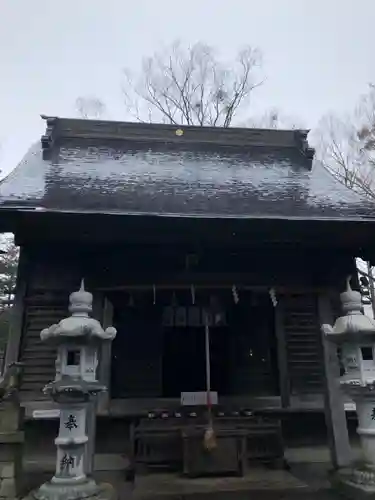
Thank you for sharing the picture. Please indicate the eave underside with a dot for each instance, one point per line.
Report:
(352, 236)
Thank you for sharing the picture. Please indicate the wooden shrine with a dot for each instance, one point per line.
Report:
(163, 223)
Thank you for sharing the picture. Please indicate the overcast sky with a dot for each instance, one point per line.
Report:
(318, 54)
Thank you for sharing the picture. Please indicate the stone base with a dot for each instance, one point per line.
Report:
(356, 483)
(10, 466)
(87, 490)
(8, 488)
(10, 476)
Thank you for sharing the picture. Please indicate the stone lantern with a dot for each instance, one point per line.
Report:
(78, 339)
(355, 334)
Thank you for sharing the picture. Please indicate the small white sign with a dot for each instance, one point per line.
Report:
(198, 398)
(40, 414)
(349, 407)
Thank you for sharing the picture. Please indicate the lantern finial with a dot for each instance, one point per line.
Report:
(80, 301)
(351, 300)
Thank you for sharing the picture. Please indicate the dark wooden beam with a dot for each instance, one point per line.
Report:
(104, 229)
(282, 356)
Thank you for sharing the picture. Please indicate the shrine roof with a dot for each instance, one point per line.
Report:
(90, 166)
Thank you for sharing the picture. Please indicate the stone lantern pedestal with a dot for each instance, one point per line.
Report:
(74, 389)
(355, 334)
(359, 479)
(70, 480)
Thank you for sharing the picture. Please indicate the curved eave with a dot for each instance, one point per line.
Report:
(11, 209)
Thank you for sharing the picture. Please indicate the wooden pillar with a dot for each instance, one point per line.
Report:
(103, 312)
(338, 437)
(106, 359)
(282, 355)
(16, 325)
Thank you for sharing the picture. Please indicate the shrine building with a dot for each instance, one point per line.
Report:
(163, 223)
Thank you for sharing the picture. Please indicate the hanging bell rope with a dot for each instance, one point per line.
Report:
(235, 294)
(154, 293)
(209, 439)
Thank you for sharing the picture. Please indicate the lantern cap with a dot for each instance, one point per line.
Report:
(78, 327)
(353, 325)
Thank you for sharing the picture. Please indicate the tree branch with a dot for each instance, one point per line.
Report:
(189, 85)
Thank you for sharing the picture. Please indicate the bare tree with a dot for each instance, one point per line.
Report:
(191, 86)
(9, 254)
(345, 145)
(90, 107)
(339, 148)
(366, 133)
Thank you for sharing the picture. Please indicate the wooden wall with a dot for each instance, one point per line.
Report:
(301, 330)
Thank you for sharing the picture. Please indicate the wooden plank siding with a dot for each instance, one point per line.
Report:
(41, 310)
(303, 343)
(51, 277)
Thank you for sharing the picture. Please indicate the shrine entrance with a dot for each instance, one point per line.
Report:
(184, 368)
(242, 346)
(159, 351)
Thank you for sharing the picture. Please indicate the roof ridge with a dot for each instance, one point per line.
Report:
(60, 128)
